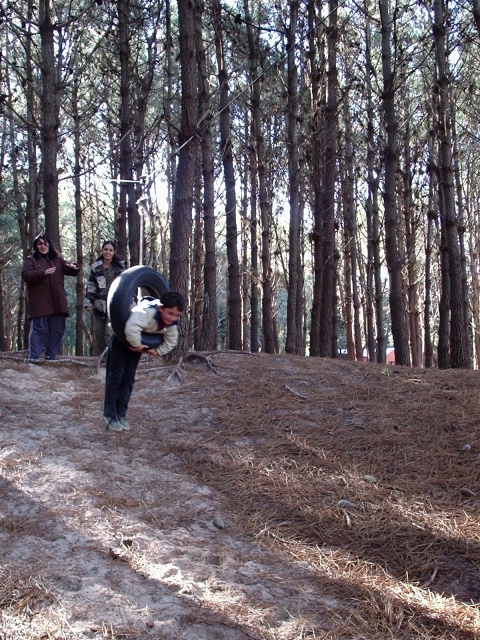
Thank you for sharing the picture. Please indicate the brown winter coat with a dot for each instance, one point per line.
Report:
(46, 293)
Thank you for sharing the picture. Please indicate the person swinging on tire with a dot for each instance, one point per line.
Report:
(155, 317)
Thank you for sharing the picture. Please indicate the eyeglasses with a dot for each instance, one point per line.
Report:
(42, 242)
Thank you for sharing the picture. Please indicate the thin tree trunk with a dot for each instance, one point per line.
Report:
(317, 149)
(411, 225)
(234, 306)
(79, 286)
(268, 333)
(127, 209)
(209, 320)
(144, 85)
(461, 238)
(348, 181)
(197, 266)
(376, 346)
(374, 295)
(168, 100)
(397, 299)
(432, 221)
(185, 179)
(254, 276)
(458, 339)
(30, 229)
(443, 348)
(294, 340)
(327, 329)
(50, 123)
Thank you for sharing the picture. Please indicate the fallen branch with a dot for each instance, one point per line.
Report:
(296, 393)
(195, 357)
(176, 372)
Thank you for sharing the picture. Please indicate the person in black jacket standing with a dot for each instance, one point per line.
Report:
(47, 308)
(103, 272)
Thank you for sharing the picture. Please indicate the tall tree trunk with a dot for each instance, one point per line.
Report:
(376, 346)
(50, 123)
(317, 136)
(461, 238)
(347, 297)
(168, 100)
(127, 209)
(244, 244)
(254, 276)
(458, 338)
(234, 303)
(411, 225)
(196, 296)
(443, 348)
(327, 330)
(143, 87)
(209, 320)
(397, 299)
(294, 340)
(350, 216)
(30, 229)
(78, 221)
(185, 179)
(372, 185)
(432, 222)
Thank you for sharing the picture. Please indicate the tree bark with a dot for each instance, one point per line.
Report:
(397, 298)
(127, 209)
(234, 301)
(79, 285)
(411, 240)
(185, 179)
(354, 338)
(327, 330)
(317, 137)
(376, 345)
(253, 151)
(458, 339)
(209, 318)
(49, 123)
(294, 340)
(268, 332)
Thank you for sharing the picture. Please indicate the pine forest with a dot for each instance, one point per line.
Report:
(306, 173)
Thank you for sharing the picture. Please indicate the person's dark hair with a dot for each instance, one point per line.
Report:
(115, 260)
(172, 299)
(52, 252)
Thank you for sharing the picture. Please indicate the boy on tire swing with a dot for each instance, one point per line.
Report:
(122, 361)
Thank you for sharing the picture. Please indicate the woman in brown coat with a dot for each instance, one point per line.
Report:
(47, 307)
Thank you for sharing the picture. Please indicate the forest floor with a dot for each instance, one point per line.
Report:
(256, 496)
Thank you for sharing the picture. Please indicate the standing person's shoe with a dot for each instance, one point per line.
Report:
(112, 424)
(124, 423)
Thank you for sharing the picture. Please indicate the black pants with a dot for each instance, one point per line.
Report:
(121, 367)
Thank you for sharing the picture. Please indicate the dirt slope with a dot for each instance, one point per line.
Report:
(255, 497)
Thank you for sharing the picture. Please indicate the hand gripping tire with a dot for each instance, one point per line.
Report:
(124, 293)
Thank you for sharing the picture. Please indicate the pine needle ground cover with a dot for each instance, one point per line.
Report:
(266, 497)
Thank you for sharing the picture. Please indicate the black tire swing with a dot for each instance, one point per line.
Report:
(126, 291)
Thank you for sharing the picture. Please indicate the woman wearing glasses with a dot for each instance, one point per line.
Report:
(43, 272)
